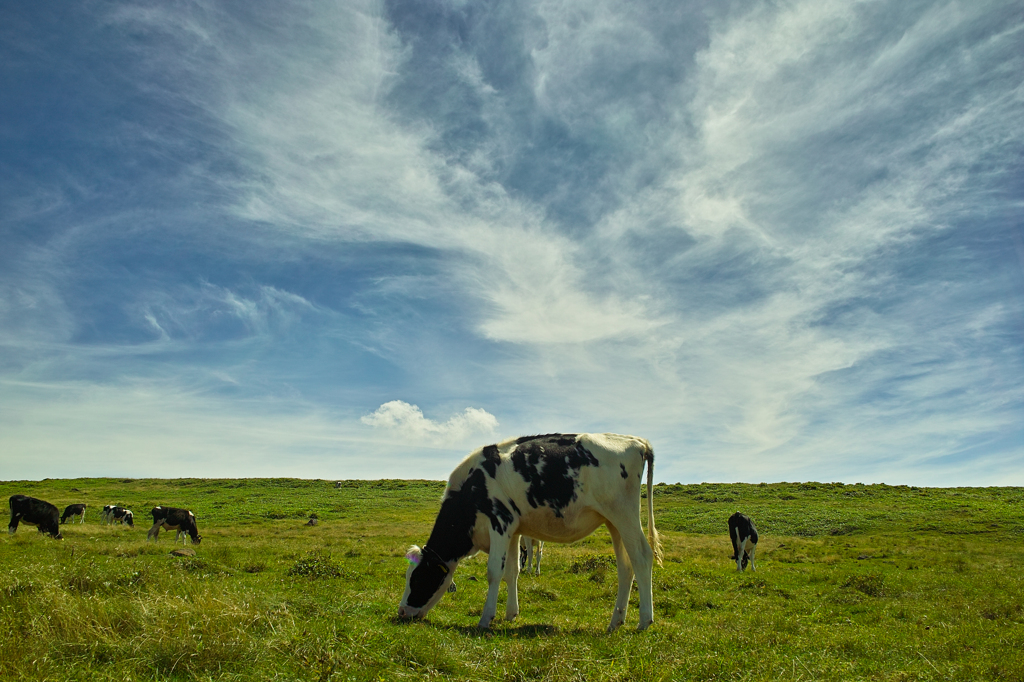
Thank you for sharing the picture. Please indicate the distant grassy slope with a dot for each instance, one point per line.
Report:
(240, 502)
(824, 509)
(853, 582)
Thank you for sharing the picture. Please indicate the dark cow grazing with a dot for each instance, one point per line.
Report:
(178, 534)
(744, 540)
(173, 518)
(530, 549)
(556, 488)
(39, 513)
(73, 510)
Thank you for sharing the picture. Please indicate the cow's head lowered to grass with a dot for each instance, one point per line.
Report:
(426, 581)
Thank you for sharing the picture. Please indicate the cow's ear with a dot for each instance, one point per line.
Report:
(414, 555)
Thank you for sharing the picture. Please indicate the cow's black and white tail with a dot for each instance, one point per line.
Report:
(652, 532)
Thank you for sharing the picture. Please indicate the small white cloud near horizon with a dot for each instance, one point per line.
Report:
(407, 421)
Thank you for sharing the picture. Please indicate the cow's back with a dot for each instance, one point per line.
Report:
(558, 485)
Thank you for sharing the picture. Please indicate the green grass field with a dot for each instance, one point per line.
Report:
(853, 583)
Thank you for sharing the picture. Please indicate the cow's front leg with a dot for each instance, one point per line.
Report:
(512, 578)
(495, 569)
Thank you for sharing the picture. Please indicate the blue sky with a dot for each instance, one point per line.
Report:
(784, 241)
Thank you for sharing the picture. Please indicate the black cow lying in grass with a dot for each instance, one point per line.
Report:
(744, 540)
(73, 510)
(173, 518)
(34, 512)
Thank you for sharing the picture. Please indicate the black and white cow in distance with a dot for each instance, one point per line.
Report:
(115, 514)
(34, 512)
(744, 540)
(73, 510)
(530, 552)
(124, 516)
(173, 518)
(107, 515)
(556, 488)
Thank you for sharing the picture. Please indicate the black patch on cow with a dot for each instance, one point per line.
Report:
(559, 438)
(491, 460)
(515, 508)
(625, 474)
(501, 517)
(550, 466)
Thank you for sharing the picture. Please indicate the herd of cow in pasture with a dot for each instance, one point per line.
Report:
(45, 517)
(506, 500)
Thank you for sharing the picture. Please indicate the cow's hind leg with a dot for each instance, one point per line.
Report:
(495, 569)
(625, 570)
(641, 556)
(512, 579)
(750, 553)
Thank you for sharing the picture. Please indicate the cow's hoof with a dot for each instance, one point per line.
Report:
(615, 624)
(644, 625)
(484, 624)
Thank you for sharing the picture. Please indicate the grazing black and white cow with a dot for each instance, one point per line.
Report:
(557, 488)
(38, 513)
(107, 515)
(121, 515)
(530, 549)
(744, 540)
(173, 518)
(73, 510)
